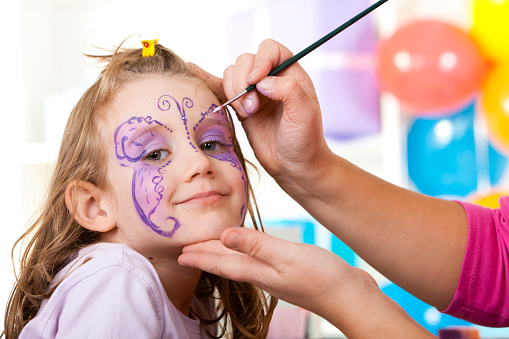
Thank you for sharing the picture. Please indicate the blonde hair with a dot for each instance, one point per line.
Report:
(244, 311)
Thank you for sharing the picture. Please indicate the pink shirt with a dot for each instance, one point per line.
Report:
(482, 295)
(111, 291)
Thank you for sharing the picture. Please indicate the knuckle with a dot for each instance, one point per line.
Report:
(192, 261)
(255, 247)
(228, 70)
(291, 85)
(270, 48)
(243, 58)
(268, 42)
(219, 267)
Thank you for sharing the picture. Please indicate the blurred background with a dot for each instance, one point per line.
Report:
(416, 93)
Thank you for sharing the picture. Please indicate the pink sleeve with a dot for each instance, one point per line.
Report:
(482, 295)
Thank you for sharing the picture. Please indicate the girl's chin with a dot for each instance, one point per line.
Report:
(210, 234)
(206, 224)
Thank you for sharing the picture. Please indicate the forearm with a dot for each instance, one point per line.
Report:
(359, 309)
(416, 241)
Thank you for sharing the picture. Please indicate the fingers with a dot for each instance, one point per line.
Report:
(243, 66)
(294, 96)
(246, 241)
(213, 246)
(213, 257)
(235, 81)
(257, 249)
(279, 89)
(233, 266)
(251, 69)
(270, 55)
(256, 244)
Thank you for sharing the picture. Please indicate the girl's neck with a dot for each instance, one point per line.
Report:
(179, 282)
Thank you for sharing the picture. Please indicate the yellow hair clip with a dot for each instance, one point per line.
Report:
(149, 47)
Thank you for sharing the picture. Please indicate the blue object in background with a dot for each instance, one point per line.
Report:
(306, 228)
(441, 155)
(497, 163)
(339, 248)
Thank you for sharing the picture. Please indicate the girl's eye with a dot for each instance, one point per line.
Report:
(210, 146)
(157, 155)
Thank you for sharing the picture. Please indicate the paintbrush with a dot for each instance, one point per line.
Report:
(308, 49)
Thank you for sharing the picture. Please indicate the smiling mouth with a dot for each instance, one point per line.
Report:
(205, 198)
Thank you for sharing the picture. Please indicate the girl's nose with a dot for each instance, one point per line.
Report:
(197, 164)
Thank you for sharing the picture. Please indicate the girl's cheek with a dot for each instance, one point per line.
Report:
(147, 179)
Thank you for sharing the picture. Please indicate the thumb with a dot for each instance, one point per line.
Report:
(287, 90)
(253, 243)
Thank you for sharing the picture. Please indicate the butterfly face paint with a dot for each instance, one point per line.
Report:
(138, 141)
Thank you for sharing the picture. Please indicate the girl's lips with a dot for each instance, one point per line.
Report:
(205, 198)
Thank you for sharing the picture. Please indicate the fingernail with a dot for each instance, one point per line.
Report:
(265, 86)
(247, 104)
(232, 240)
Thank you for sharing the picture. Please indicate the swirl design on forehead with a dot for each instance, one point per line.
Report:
(164, 104)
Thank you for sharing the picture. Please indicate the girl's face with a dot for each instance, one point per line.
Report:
(174, 173)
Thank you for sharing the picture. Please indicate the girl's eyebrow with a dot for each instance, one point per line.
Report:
(214, 122)
(145, 130)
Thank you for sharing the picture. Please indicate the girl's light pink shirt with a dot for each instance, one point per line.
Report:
(482, 295)
(111, 291)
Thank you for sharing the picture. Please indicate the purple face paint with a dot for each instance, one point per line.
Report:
(131, 147)
(139, 136)
(164, 104)
(221, 133)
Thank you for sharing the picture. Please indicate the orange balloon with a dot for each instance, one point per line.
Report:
(495, 102)
(430, 67)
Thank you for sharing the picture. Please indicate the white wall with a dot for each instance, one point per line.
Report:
(12, 100)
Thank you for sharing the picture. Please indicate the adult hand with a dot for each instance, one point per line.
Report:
(282, 119)
(307, 276)
(298, 273)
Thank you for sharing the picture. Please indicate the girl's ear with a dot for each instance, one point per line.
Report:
(91, 206)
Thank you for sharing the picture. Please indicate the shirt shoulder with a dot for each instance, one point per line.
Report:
(107, 289)
(482, 294)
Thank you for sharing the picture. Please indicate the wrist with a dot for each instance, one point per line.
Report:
(311, 179)
(366, 312)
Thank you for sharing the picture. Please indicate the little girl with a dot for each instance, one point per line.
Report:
(144, 169)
